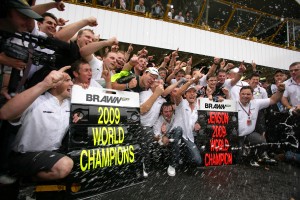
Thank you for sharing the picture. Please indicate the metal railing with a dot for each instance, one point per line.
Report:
(214, 15)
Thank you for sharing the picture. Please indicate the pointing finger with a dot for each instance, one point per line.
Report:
(65, 68)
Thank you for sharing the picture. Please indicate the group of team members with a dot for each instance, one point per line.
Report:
(168, 95)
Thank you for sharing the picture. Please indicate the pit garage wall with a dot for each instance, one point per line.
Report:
(157, 33)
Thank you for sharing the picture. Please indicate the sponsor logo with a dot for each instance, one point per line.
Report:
(106, 99)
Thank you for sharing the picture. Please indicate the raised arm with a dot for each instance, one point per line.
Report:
(238, 75)
(17, 105)
(87, 50)
(214, 66)
(188, 69)
(183, 88)
(277, 95)
(70, 30)
(42, 8)
(146, 106)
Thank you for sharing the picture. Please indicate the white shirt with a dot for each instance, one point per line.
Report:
(179, 18)
(97, 68)
(94, 83)
(252, 110)
(202, 81)
(260, 93)
(186, 119)
(159, 122)
(234, 91)
(149, 118)
(44, 124)
(292, 91)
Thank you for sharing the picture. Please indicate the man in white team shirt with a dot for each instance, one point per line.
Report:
(82, 72)
(291, 97)
(248, 109)
(258, 91)
(186, 117)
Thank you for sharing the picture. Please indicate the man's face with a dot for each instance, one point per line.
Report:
(254, 81)
(179, 76)
(85, 38)
(48, 26)
(245, 96)
(279, 77)
(188, 77)
(64, 89)
(167, 113)
(157, 83)
(148, 79)
(120, 60)
(110, 60)
(142, 64)
(295, 71)
(212, 82)
(163, 74)
(191, 95)
(19, 21)
(221, 77)
(84, 75)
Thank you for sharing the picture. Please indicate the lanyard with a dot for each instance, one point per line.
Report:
(249, 112)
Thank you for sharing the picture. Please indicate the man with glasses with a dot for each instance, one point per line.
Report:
(291, 96)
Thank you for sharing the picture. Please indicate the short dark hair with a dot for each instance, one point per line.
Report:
(47, 14)
(254, 75)
(221, 71)
(76, 65)
(82, 30)
(246, 87)
(181, 71)
(210, 76)
(166, 104)
(294, 63)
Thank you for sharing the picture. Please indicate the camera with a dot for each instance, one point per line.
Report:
(22, 53)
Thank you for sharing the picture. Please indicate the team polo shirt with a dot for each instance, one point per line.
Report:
(234, 91)
(252, 110)
(44, 124)
(97, 68)
(260, 93)
(292, 91)
(186, 119)
(159, 122)
(94, 83)
(149, 118)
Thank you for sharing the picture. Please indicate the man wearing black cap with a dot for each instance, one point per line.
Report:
(16, 15)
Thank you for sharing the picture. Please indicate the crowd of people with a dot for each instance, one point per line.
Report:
(154, 8)
(168, 93)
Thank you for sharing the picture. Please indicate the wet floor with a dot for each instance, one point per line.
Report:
(281, 182)
(224, 182)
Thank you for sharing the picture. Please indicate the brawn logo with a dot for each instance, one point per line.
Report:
(216, 106)
(106, 99)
